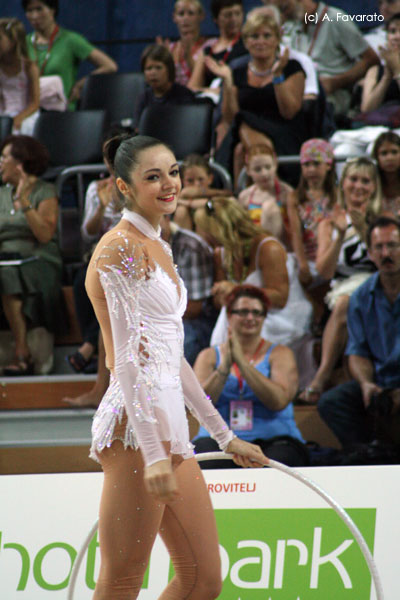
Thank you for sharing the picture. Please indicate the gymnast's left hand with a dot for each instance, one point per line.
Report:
(246, 454)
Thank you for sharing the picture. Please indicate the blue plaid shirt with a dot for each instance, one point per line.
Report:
(194, 259)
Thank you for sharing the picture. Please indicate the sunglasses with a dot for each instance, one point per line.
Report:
(210, 208)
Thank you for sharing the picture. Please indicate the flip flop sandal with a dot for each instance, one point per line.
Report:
(23, 365)
(308, 397)
(77, 361)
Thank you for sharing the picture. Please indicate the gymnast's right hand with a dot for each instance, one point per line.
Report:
(160, 481)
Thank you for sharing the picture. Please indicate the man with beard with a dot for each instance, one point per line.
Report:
(353, 409)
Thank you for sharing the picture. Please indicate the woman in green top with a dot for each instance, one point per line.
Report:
(30, 289)
(59, 51)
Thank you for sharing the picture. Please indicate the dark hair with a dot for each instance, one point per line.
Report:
(122, 152)
(217, 5)
(395, 17)
(163, 55)
(247, 291)
(387, 136)
(50, 3)
(381, 221)
(33, 155)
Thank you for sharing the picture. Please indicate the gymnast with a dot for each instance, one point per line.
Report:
(152, 482)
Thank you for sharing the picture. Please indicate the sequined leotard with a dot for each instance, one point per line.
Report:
(139, 301)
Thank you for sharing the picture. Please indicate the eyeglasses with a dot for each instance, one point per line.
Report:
(390, 246)
(243, 312)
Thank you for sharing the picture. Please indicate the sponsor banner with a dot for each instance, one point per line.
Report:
(278, 539)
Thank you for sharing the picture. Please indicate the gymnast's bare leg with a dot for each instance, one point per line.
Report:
(130, 520)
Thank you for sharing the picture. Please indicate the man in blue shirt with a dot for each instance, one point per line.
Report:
(373, 346)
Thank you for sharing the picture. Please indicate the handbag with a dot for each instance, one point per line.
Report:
(52, 96)
(388, 115)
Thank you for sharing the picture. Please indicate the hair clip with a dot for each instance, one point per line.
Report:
(210, 208)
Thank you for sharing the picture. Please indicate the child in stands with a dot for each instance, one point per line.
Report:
(197, 178)
(158, 67)
(267, 198)
(386, 152)
(311, 202)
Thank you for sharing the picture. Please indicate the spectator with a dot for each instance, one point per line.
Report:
(102, 212)
(252, 382)
(373, 347)
(263, 99)
(158, 67)
(19, 78)
(245, 254)
(58, 51)
(289, 11)
(228, 16)
(187, 16)
(377, 37)
(343, 257)
(381, 83)
(197, 177)
(312, 201)
(266, 200)
(337, 47)
(194, 260)
(31, 289)
(280, 13)
(386, 152)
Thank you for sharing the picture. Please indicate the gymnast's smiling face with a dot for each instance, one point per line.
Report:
(154, 185)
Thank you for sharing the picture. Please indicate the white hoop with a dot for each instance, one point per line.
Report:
(284, 469)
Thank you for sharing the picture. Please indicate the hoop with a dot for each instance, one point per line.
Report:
(284, 469)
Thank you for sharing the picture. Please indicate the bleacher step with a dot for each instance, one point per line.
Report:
(42, 391)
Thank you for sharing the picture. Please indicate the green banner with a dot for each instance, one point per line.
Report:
(294, 554)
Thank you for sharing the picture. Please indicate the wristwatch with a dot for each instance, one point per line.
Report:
(26, 208)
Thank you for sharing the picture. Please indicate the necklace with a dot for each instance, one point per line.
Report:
(259, 73)
(14, 199)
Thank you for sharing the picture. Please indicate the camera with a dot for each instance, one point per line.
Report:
(381, 404)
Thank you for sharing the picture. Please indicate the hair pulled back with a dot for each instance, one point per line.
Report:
(122, 153)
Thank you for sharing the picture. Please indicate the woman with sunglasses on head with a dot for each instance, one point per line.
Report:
(247, 254)
(252, 382)
(152, 482)
(342, 257)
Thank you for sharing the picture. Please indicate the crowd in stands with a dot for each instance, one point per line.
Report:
(289, 272)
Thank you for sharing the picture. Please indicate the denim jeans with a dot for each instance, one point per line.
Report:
(197, 335)
(342, 408)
